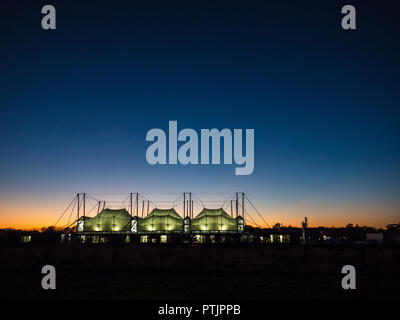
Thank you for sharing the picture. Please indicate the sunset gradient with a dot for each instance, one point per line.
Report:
(77, 102)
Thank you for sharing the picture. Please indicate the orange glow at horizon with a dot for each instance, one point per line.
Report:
(32, 215)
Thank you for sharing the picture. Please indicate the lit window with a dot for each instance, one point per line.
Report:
(26, 239)
(143, 239)
(83, 239)
(163, 238)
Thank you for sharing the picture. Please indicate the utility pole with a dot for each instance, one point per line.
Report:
(190, 202)
(84, 205)
(243, 205)
(237, 204)
(78, 211)
(184, 204)
(131, 205)
(137, 204)
(304, 229)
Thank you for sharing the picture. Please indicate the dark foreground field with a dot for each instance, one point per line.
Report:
(141, 272)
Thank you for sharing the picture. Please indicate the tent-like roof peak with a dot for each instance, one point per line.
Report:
(212, 213)
(113, 212)
(164, 212)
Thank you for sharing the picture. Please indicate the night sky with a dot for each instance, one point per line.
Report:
(76, 104)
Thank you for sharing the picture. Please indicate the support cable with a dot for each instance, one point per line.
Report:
(260, 215)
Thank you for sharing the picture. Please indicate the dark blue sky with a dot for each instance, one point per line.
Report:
(76, 102)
